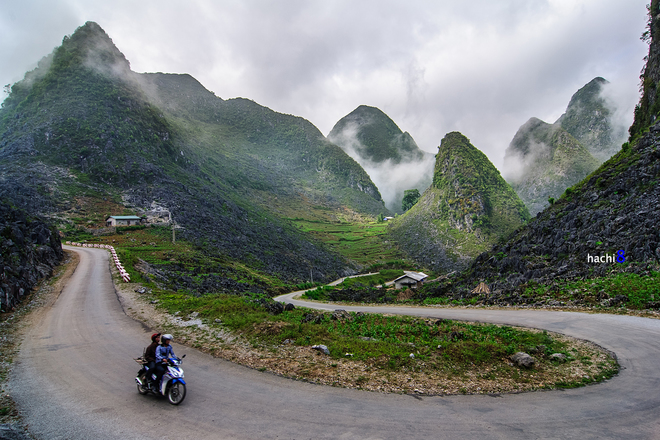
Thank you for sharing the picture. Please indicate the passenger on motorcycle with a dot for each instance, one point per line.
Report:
(163, 353)
(150, 354)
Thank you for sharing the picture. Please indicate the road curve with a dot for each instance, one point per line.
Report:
(74, 379)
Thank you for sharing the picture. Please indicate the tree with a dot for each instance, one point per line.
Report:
(410, 197)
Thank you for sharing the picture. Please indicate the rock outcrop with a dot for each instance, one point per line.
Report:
(391, 157)
(29, 250)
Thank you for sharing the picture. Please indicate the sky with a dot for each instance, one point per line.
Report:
(481, 67)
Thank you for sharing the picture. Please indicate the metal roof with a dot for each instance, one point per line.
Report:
(417, 276)
(124, 217)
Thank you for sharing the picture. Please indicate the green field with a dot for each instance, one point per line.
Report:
(366, 243)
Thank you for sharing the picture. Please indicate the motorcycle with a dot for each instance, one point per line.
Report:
(172, 384)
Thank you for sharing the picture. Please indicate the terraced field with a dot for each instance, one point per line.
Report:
(365, 243)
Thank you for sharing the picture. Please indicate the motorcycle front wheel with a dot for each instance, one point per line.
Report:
(176, 393)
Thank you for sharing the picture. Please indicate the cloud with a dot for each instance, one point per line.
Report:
(479, 67)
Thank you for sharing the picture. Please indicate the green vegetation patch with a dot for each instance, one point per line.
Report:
(393, 344)
(363, 242)
(627, 290)
(182, 260)
(614, 292)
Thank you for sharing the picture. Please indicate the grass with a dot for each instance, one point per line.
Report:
(358, 282)
(385, 343)
(372, 280)
(363, 242)
(615, 292)
(391, 338)
(638, 290)
(153, 244)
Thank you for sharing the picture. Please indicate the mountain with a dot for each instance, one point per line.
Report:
(551, 160)
(589, 118)
(467, 209)
(390, 156)
(612, 212)
(544, 159)
(83, 125)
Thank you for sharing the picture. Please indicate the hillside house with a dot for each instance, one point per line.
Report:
(411, 280)
(123, 220)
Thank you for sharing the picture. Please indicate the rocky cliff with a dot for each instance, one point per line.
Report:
(549, 160)
(30, 248)
(589, 118)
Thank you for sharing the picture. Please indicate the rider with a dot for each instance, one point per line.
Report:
(150, 354)
(163, 353)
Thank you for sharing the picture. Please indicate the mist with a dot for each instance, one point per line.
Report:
(622, 111)
(526, 149)
(481, 67)
(392, 178)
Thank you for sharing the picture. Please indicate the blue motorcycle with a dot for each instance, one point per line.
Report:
(172, 384)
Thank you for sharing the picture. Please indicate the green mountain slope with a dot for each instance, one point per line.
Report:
(544, 159)
(598, 245)
(249, 145)
(378, 137)
(551, 160)
(82, 123)
(465, 211)
(390, 156)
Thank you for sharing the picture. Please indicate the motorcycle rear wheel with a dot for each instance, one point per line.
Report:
(176, 393)
(143, 389)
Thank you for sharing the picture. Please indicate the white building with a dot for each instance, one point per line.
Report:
(411, 280)
(122, 220)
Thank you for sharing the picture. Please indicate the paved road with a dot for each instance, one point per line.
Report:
(74, 379)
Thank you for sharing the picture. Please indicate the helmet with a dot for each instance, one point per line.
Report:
(166, 336)
(154, 336)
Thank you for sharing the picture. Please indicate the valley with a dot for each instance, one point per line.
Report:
(243, 209)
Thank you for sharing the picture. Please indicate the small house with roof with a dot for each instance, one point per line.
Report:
(411, 280)
(123, 220)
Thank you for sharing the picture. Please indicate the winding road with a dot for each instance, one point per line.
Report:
(74, 379)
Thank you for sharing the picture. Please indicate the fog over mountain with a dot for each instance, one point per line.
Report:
(390, 157)
(479, 67)
(544, 159)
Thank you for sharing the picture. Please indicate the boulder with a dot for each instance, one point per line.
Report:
(524, 360)
(341, 315)
(561, 357)
(322, 348)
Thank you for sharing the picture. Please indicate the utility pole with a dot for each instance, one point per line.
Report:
(173, 235)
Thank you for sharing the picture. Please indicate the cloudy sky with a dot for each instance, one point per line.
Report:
(481, 67)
